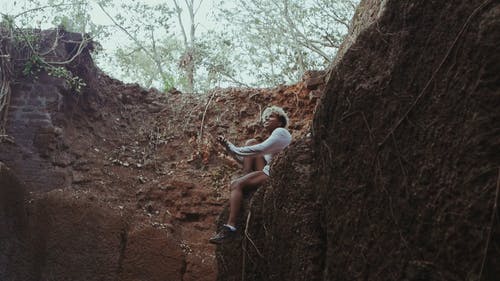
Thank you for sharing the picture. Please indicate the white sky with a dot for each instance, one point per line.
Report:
(204, 21)
(203, 18)
(118, 38)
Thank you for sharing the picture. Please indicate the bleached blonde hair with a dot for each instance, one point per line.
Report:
(275, 110)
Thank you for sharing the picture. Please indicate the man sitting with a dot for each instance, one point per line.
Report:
(255, 155)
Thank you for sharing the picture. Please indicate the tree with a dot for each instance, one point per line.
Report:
(160, 48)
(72, 15)
(190, 56)
(144, 24)
(277, 41)
(258, 43)
(135, 64)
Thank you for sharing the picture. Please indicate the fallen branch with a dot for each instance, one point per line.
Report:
(204, 114)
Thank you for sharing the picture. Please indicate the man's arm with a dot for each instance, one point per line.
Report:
(278, 140)
(225, 143)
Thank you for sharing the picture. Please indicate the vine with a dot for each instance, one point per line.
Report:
(36, 63)
(5, 74)
(20, 50)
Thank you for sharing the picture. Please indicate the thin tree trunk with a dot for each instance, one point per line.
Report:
(152, 56)
(188, 59)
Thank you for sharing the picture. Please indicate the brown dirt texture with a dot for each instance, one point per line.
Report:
(119, 182)
(401, 179)
(393, 172)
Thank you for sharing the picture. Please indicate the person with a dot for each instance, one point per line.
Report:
(256, 158)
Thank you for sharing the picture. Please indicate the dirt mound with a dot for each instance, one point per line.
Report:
(405, 170)
(13, 224)
(151, 255)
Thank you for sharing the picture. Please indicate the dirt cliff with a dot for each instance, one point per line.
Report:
(401, 178)
(394, 177)
(116, 182)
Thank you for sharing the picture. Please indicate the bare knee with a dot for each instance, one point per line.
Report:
(235, 185)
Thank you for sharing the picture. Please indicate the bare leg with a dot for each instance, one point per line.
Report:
(248, 182)
(251, 164)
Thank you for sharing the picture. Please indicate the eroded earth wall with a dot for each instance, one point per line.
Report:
(403, 179)
(51, 227)
(407, 142)
(114, 181)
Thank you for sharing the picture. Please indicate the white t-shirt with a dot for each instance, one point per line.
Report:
(276, 142)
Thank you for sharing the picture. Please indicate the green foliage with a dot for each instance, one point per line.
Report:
(36, 63)
(277, 41)
(168, 83)
(145, 21)
(134, 64)
(72, 15)
(33, 65)
(216, 67)
(259, 43)
(76, 83)
(7, 21)
(149, 55)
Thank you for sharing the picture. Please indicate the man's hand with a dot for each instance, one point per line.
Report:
(222, 140)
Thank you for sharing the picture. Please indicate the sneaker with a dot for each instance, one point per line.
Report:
(224, 235)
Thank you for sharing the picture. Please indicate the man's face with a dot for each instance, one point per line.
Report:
(272, 122)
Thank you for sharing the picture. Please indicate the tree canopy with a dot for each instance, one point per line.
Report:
(195, 45)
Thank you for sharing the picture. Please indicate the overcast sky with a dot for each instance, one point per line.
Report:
(106, 59)
(13, 7)
(118, 37)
